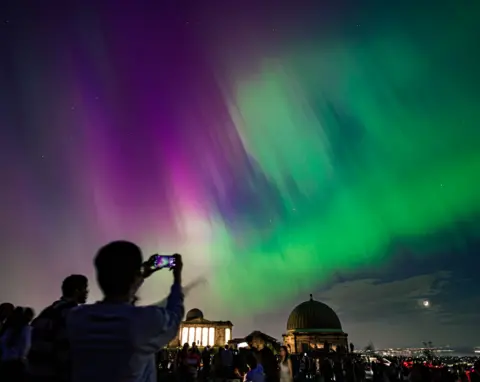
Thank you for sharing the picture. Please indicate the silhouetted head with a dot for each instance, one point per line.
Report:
(75, 288)
(476, 365)
(258, 342)
(14, 325)
(6, 309)
(28, 315)
(16, 319)
(119, 270)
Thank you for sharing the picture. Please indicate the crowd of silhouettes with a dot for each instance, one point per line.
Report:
(113, 340)
(15, 340)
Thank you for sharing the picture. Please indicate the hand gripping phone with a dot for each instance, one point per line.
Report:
(161, 261)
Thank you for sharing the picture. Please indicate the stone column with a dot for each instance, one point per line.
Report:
(220, 336)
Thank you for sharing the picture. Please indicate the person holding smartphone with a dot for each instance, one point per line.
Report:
(114, 340)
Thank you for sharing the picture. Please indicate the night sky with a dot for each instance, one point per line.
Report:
(283, 147)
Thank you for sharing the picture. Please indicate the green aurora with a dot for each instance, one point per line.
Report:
(379, 136)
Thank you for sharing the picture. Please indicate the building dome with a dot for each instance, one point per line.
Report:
(193, 314)
(313, 315)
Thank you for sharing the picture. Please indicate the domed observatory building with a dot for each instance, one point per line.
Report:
(203, 332)
(313, 325)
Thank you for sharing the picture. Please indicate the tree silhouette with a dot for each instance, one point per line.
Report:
(428, 350)
(370, 347)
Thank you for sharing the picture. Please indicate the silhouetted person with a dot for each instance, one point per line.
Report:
(217, 365)
(195, 348)
(29, 315)
(286, 367)
(226, 356)
(349, 370)
(182, 361)
(114, 340)
(206, 361)
(265, 357)
(6, 309)
(327, 370)
(192, 363)
(14, 346)
(475, 374)
(49, 357)
(256, 372)
(360, 372)
(338, 370)
(162, 359)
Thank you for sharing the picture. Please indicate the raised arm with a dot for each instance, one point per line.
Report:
(159, 325)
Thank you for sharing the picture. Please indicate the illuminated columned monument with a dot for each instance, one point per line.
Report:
(312, 325)
(203, 332)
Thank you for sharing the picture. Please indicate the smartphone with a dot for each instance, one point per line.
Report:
(162, 261)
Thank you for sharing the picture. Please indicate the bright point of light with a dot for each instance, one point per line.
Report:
(426, 303)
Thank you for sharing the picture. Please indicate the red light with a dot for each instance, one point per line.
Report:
(468, 376)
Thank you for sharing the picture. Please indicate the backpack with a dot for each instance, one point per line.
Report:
(48, 333)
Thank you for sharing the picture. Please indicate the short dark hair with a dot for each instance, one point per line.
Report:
(117, 265)
(73, 283)
(6, 309)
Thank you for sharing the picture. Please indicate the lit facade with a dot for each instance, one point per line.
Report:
(196, 329)
(313, 325)
(256, 339)
(304, 340)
